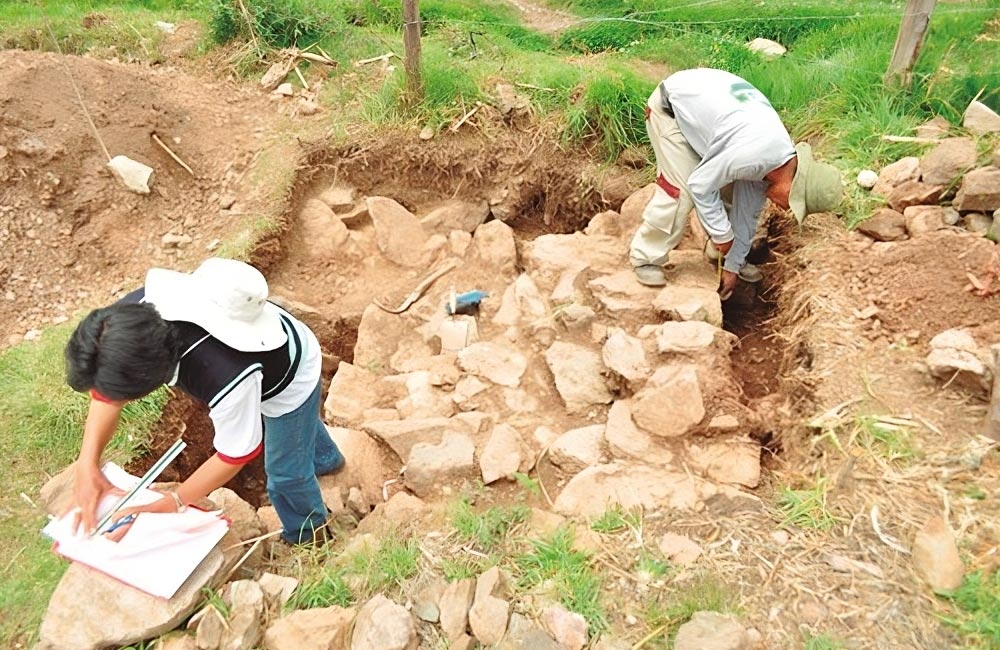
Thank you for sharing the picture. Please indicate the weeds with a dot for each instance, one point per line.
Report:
(387, 566)
(278, 23)
(554, 562)
(614, 520)
(488, 528)
(672, 609)
(978, 604)
(326, 589)
(214, 599)
(806, 508)
(822, 642)
(459, 569)
(886, 439)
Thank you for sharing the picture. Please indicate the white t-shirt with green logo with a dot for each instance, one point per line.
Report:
(740, 139)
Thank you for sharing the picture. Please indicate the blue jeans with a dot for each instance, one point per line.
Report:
(297, 447)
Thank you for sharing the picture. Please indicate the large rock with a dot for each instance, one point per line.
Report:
(622, 295)
(610, 224)
(489, 614)
(243, 519)
(504, 454)
(368, 466)
(625, 440)
(712, 631)
(454, 607)
(569, 629)
(431, 466)
(686, 303)
(384, 625)
(351, 393)
(522, 301)
(679, 549)
(980, 190)
(423, 399)
(499, 363)
(955, 357)
(549, 256)
(493, 244)
(57, 493)
(913, 193)
(921, 219)
(633, 207)
(692, 337)
(401, 511)
(91, 611)
(379, 334)
(947, 161)
(402, 435)
(671, 402)
(398, 233)
(246, 606)
(936, 557)
(884, 225)
(624, 355)
(578, 376)
(632, 485)
(767, 48)
(731, 461)
(981, 119)
(277, 589)
(523, 634)
(899, 172)
(320, 628)
(578, 448)
(322, 230)
(936, 127)
(339, 198)
(455, 214)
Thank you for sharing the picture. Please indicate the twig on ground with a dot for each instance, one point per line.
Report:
(176, 158)
(260, 538)
(649, 637)
(384, 58)
(298, 73)
(910, 138)
(465, 118)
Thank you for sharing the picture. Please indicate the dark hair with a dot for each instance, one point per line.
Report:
(124, 352)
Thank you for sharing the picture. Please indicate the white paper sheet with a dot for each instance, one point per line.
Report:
(160, 550)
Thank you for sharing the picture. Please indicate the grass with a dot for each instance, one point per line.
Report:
(567, 572)
(487, 529)
(614, 520)
(41, 420)
(324, 588)
(885, 439)
(671, 609)
(822, 642)
(978, 603)
(806, 507)
(386, 566)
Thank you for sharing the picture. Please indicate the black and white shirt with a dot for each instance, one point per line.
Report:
(240, 387)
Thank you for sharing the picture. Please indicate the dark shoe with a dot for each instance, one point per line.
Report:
(650, 275)
(331, 467)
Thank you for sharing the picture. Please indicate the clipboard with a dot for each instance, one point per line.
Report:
(160, 550)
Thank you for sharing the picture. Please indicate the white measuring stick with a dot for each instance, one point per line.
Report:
(151, 474)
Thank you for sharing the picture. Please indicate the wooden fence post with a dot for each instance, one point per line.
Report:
(411, 45)
(912, 30)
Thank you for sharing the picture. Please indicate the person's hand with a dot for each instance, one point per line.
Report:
(89, 487)
(724, 247)
(728, 284)
(165, 503)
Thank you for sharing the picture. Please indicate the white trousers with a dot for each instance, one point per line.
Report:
(665, 216)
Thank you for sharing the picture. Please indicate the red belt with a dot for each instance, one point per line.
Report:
(667, 187)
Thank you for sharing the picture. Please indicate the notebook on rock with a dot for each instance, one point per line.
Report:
(158, 553)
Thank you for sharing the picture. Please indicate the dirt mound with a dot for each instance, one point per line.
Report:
(62, 211)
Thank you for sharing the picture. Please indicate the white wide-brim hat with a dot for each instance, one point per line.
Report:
(227, 298)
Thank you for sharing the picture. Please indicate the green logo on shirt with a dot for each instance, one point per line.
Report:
(745, 92)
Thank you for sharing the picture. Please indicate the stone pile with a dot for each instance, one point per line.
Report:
(618, 385)
(945, 188)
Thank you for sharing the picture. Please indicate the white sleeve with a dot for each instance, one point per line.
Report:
(239, 431)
